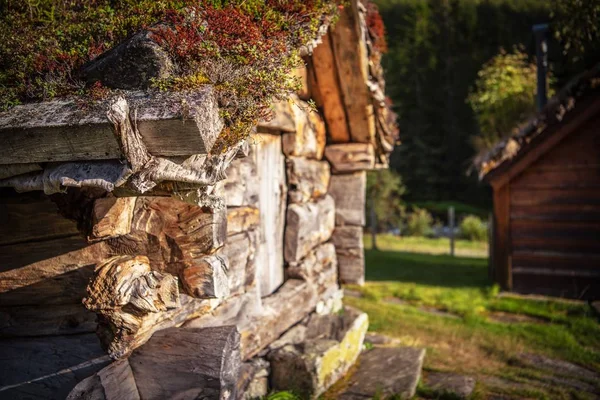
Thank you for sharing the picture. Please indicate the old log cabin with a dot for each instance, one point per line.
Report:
(160, 235)
(546, 182)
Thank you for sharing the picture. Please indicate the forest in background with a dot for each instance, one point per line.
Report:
(436, 48)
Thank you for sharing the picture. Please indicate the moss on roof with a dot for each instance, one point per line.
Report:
(245, 48)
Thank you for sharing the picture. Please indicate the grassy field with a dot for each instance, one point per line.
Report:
(464, 248)
(448, 306)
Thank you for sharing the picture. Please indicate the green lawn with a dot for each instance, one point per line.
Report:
(463, 248)
(403, 288)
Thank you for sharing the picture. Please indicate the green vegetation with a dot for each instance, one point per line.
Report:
(465, 248)
(472, 228)
(440, 208)
(246, 48)
(504, 95)
(419, 222)
(476, 341)
(385, 189)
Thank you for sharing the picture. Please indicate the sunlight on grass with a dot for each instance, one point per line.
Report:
(425, 245)
(402, 288)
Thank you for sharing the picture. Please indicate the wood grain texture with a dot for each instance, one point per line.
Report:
(307, 226)
(188, 364)
(327, 80)
(207, 277)
(308, 139)
(242, 219)
(307, 179)
(28, 217)
(111, 217)
(350, 157)
(349, 193)
(351, 60)
(502, 238)
(170, 125)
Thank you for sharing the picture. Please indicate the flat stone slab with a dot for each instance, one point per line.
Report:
(448, 383)
(386, 371)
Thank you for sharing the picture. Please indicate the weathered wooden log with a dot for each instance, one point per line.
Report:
(111, 217)
(242, 219)
(308, 225)
(29, 217)
(319, 268)
(349, 193)
(170, 124)
(351, 61)
(301, 74)
(350, 157)
(46, 320)
(333, 344)
(48, 367)
(327, 80)
(270, 163)
(283, 119)
(240, 250)
(206, 277)
(175, 363)
(307, 179)
(133, 64)
(188, 364)
(9, 170)
(348, 241)
(240, 187)
(281, 310)
(309, 137)
(123, 292)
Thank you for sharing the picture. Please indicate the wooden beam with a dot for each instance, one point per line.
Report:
(350, 157)
(502, 240)
(349, 193)
(307, 179)
(351, 60)
(171, 124)
(327, 80)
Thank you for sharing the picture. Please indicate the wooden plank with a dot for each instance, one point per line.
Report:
(540, 197)
(350, 157)
(348, 241)
(553, 260)
(559, 243)
(556, 212)
(32, 216)
(307, 226)
(44, 320)
(188, 364)
(272, 197)
(306, 179)
(351, 60)
(584, 288)
(582, 230)
(502, 237)
(60, 130)
(327, 80)
(562, 177)
(349, 193)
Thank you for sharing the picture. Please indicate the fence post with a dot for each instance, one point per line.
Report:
(451, 224)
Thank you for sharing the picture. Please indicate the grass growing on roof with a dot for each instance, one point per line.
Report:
(246, 48)
(474, 344)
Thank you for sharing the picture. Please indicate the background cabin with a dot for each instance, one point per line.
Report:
(546, 182)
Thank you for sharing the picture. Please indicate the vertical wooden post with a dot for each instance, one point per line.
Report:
(502, 266)
(451, 224)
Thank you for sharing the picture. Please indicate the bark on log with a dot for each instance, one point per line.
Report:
(123, 292)
(170, 124)
(307, 179)
(309, 137)
(308, 225)
(350, 157)
(349, 193)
